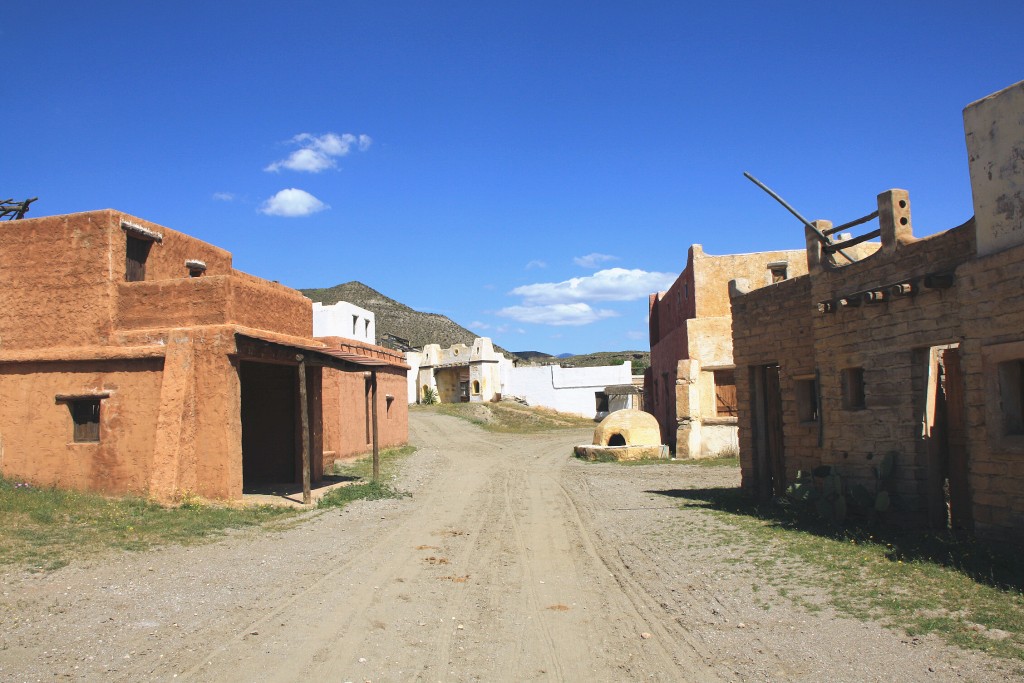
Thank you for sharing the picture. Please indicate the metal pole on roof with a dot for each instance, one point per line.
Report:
(771, 193)
(307, 494)
(376, 444)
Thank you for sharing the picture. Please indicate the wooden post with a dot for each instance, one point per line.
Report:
(307, 494)
(376, 446)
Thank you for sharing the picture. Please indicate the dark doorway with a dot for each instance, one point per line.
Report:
(269, 412)
(948, 495)
(770, 459)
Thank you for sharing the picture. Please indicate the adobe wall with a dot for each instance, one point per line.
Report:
(198, 448)
(690, 321)
(346, 413)
(994, 129)
(265, 305)
(992, 313)
(62, 280)
(886, 340)
(773, 325)
(55, 281)
(711, 275)
(36, 437)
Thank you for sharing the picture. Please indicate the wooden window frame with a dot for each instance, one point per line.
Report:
(86, 414)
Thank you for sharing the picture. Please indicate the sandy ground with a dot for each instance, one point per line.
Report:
(510, 561)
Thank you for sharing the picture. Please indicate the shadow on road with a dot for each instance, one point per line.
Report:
(998, 564)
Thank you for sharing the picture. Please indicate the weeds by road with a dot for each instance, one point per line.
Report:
(510, 418)
(963, 590)
(45, 528)
(362, 469)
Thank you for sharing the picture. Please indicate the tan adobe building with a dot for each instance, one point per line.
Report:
(910, 351)
(457, 374)
(689, 386)
(135, 359)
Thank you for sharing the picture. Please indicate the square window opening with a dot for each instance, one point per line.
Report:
(601, 401)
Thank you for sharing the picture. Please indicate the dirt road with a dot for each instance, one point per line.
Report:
(509, 562)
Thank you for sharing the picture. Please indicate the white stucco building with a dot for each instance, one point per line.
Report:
(479, 374)
(570, 390)
(344, 320)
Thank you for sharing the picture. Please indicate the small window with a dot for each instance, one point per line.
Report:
(601, 401)
(136, 253)
(1011, 396)
(853, 389)
(85, 413)
(725, 393)
(355, 321)
(476, 386)
(778, 271)
(806, 399)
(366, 329)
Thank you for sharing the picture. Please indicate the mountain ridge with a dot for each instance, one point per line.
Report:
(392, 317)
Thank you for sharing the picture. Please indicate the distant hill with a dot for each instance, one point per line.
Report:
(640, 360)
(534, 356)
(393, 317)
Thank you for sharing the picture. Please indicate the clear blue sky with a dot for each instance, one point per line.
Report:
(472, 158)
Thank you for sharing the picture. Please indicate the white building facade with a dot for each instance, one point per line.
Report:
(344, 320)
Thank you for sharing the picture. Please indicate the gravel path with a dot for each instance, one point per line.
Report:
(509, 562)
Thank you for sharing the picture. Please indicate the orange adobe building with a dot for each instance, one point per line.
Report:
(135, 359)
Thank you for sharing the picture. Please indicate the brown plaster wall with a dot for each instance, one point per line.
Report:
(199, 442)
(346, 410)
(36, 431)
(55, 284)
(213, 300)
(166, 350)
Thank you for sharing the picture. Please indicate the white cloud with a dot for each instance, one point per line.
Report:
(593, 260)
(318, 153)
(637, 334)
(477, 325)
(613, 284)
(536, 264)
(556, 314)
(224, 196)
(292, 202)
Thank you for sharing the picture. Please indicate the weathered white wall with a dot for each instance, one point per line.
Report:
(719, 440)
(994, 127)
(570, 390)
(344, 320)
(414, 360)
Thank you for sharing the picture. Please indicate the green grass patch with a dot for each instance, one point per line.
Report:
(966, 591)
(46, 528)
(644, 461)
(362, 468)
(511, 418)
(370, 490)
(730, 461)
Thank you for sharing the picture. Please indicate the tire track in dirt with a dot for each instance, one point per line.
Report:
(697, 661)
